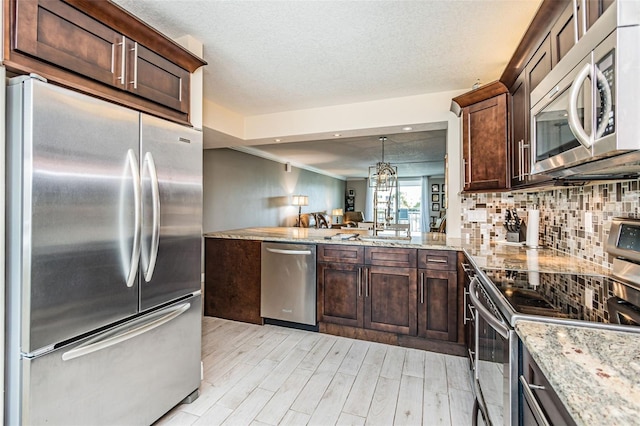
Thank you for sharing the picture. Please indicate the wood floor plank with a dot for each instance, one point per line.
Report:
(245, 386)
(436, 409)
(279, 374)
(271, 342)
(214, 416)
(283, 348)
(354, 358)
(179, 418)
(350, 420)
(376, 354)
(435, 373)
(318, 352)
(458, 373)
(294, 418)
(393, 363)
(409, 407)
(385, 399)
(249, 408)
(361, 395)
(209, 395)
(460, 406)
(279, 404)
(335, 356)
(414, 363)
(328, 410)
(312, 392)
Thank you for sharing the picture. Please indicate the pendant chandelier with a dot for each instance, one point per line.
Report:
(383, 176)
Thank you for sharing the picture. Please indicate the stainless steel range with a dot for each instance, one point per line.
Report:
(503, 297)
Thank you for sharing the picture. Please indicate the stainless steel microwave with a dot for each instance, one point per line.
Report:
(585, 115)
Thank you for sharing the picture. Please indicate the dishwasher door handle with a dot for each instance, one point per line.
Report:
(280, 251)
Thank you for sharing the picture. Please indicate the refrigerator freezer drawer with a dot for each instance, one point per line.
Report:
(128, 376)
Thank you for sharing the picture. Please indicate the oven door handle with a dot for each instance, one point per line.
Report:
(481, 310)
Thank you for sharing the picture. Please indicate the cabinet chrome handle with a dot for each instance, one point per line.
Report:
(536, 410)
(521, 160)
(359, 281)
(122, 59)
(437, 261)
(421, 287)
(465, 319)
(366, 282)
(135, 65)
(525, 164)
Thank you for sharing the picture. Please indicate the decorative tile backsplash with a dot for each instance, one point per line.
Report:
(565, 214)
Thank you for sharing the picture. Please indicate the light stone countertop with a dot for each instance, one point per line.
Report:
(595, 372)
(484, 255)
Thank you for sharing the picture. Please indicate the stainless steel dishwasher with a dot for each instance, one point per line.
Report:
(288, 283)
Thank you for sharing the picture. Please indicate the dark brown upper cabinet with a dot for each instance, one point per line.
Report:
(99, 48)
(484, 137)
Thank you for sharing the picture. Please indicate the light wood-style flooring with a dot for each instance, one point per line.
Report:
(269, 375)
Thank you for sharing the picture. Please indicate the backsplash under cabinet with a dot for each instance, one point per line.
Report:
(573, 220)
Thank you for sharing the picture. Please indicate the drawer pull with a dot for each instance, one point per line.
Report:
(437, 261)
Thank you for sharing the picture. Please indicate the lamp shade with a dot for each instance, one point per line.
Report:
(336, 212)
(300, 200)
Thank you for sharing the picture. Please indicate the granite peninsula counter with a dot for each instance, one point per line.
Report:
(594, 372)
(484, 255)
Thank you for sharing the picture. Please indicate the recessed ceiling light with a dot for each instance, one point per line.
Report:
(278, 140)
(406, 129)
(337, 135)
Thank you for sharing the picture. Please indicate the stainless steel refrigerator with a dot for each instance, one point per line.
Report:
(104, 213)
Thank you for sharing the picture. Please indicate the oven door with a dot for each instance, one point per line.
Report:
(496, 363)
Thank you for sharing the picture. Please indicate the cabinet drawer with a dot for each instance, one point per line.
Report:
(397, 257)
(340, 253)
(440, 260)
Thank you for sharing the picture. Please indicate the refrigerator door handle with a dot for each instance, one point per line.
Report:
(135, 254)
(155, 198)
(100, 344)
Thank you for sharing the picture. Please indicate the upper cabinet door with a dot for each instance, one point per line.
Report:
(57, 33)
(153, 77)
(485, 144)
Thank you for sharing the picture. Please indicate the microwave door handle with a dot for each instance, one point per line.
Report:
(604, 86)
(574, 92)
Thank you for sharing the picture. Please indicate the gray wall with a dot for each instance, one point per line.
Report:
(242, 190)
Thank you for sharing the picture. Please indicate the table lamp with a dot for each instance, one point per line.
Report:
(300, 200)
(337, 213)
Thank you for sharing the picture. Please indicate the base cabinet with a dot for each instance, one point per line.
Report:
(340, 299)
(232, 279)
(406, 293)
(540, 404)
(357, 288)
(390, 296)
(438, 305)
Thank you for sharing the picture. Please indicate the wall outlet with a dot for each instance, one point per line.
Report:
(588, 298)
(588, 222)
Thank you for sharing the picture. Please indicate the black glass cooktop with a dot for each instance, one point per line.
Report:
(577, 297)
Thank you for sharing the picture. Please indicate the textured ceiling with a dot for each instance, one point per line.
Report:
(272, 56)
